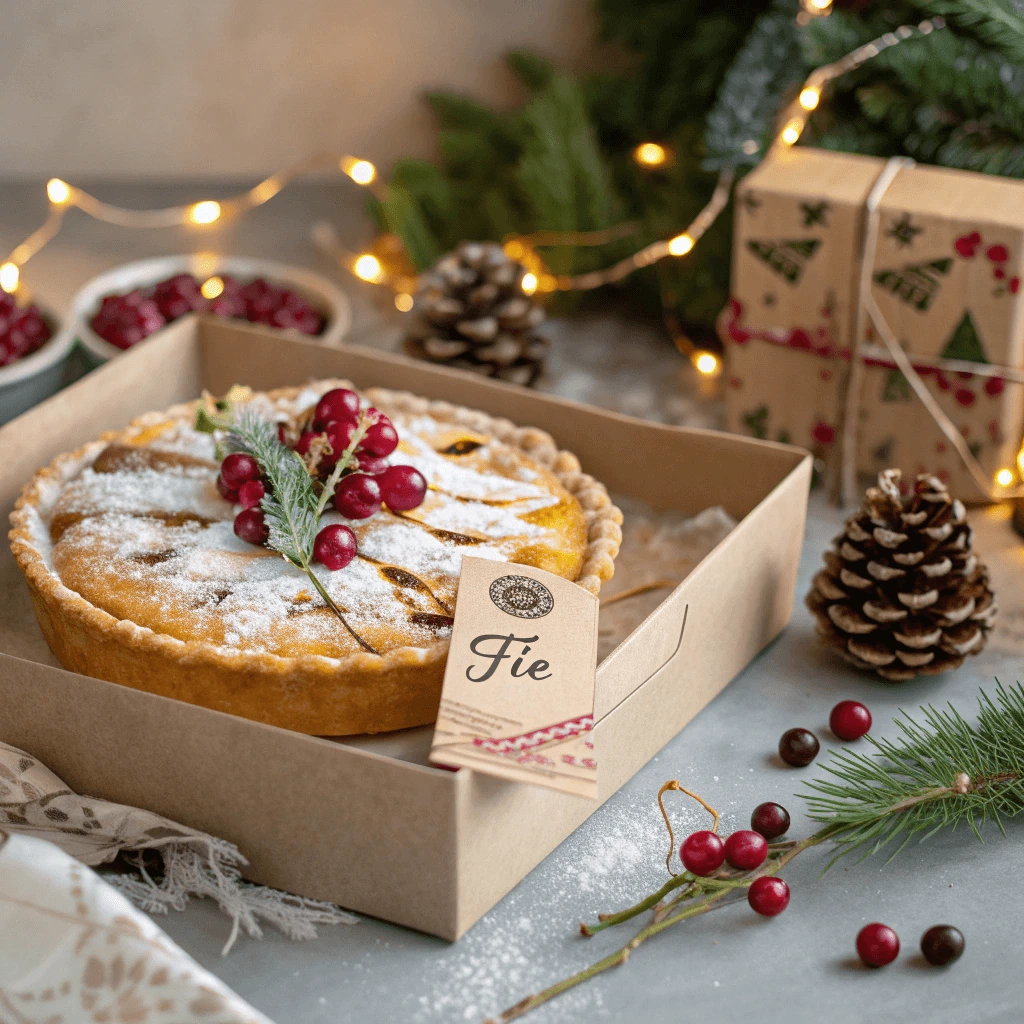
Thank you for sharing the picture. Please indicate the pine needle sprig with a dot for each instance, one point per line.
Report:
(933, 776)
(290, 506)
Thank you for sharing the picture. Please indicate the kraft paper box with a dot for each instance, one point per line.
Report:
(946, 275)
(366, 821)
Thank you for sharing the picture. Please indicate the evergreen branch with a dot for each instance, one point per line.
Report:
(291, 510)
(289, 507)
(935, 775)
(995, 23)
(766, 67)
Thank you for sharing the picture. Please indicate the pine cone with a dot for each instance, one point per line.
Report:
(471, 312)
(901, 593)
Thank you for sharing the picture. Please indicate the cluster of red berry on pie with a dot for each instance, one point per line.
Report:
(366, 483)
(125, 320)
(22, 329)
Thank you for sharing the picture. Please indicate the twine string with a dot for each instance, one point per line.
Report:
(673, 784)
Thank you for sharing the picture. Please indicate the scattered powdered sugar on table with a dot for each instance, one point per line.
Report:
(617, 858)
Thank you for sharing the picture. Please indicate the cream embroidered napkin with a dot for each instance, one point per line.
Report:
(74, 951)
(35, 802)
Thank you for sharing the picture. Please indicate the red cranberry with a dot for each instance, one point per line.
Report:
(340, 437)
(372, 464)
(798, 747)
(382, 438)
(227, 493)
(357, 496)
(237, 468)
(250, 494)
(746, 850)
(942, 944)
(877, 944)
(702, 853)
(305, 440)
(339, 404)
(335, 546)
(250, 527)
(178, 295)
(849, 720)
(125, 320)
(768, 895)
(771, 820)
(402, 488)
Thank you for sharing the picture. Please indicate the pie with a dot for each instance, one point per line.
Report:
(137, 576)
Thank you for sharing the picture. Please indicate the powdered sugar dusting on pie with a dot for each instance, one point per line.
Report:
(155, 546)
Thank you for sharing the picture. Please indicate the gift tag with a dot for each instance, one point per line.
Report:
(518, 696)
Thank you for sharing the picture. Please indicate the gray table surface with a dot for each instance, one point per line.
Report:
(728, 965)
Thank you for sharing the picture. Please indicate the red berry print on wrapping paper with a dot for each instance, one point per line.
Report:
(999, 273)
(941, 381)
(943, 475)
(825, 375)
(997, 253)
(994, 386)
(994, 432)
(735, 382)
(1014, 285)
(967, 245)
(965, 396)
(940, 447)
(799, 338)
(823, 432)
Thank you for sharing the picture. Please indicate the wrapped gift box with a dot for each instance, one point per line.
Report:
(946, 275)
(366, 821)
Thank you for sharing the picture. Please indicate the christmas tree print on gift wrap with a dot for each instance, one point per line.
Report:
(786, 258)
(965, 343)
(896, 387)
(915, 283)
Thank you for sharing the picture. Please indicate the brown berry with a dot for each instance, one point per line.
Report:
(942, 944)
(798, 747)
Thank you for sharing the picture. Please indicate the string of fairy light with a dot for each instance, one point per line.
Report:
(396, 272)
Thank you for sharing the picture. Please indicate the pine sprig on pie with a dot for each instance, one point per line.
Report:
(138, 577)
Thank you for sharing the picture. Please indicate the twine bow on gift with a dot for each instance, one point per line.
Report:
(35, 802)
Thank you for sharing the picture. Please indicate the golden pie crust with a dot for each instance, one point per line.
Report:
(136, 577)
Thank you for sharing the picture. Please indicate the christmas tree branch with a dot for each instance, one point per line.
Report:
(934, 775)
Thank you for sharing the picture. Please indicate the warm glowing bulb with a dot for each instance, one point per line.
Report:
(706, 363)
(205, 212)
(59, 192)
(367, 268)
(680, 245)
(362, 172)
(1020, 461)
(514, 249)
(810, 97)
(403, 302)
(212, 287)
(819, 6)
(650, 154)
(529, 283)
(9, 275)
(791, 133)
(1004, 477)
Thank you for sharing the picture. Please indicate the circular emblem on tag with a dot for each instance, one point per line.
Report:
(522, 597)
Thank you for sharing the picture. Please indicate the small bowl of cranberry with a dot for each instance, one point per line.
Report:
(33, 354)
(118, 309)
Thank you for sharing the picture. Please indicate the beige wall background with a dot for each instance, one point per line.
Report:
(235, 88)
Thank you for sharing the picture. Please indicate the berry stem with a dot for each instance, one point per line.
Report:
(322, 591)
(342, 464)
(714, 890)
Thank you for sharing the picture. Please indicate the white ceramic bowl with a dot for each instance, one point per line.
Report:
(27, 381)
(317, 290)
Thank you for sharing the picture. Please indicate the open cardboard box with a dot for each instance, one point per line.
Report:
(366, 822)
